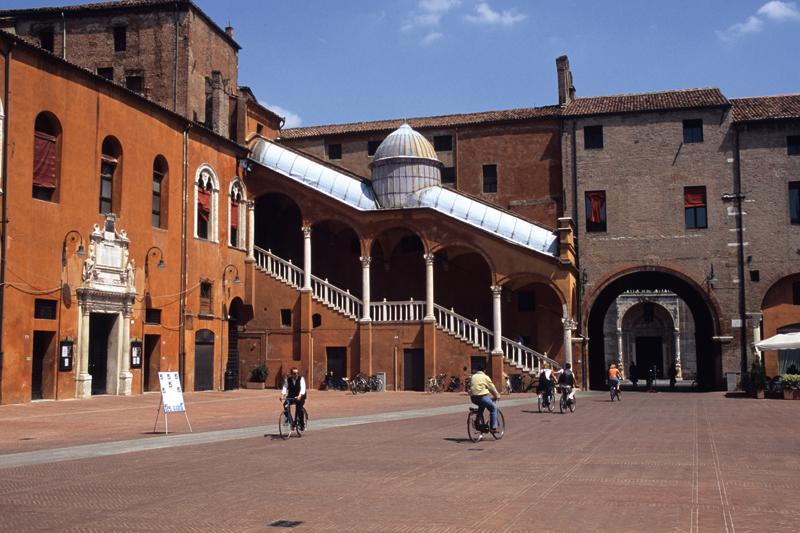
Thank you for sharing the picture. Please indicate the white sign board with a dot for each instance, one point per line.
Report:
(171, 392)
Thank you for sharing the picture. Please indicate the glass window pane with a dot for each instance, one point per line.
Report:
(156, 220)
(157, 186)
(156, 204)
(105, 188)
(701, 217)
(689, 217)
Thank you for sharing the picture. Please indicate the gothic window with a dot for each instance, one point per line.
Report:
(46, 160)
(206, 190)
(160, 192)
(237, 216)
(110, 176)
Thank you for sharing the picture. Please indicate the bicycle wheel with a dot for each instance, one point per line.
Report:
(572, 404)
(539, 402)
(501, 426)
(284, 427)
(300, 430)
(474, 422)
(562, 404)
(551, 404)
(612, 395)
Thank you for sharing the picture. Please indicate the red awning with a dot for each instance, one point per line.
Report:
(234, 214)
(44, 160)
(694, 197)
(203, 203)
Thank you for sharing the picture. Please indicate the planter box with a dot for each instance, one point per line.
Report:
(254, 385)
(791, 394)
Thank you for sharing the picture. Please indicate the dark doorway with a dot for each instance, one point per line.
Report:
(232, 368)
(709, 362)
(413, 369)
(648, 354)
(337, 361)
(43, 373)
(204, 360)
(100, 326)
(152, 362)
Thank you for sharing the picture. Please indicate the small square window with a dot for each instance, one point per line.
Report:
(46, 39)
(443, 143)
(693, 131)
(135, 83)
(316, 320)
(593, 137)
(372, 147)
(795, 293)
(334, 151)
(120, 38)
(152, 316)
(449, 175)
(286, 317)
(793, 145)
(794, 202)
(755, 275)
(489, 178)
(596, 211)
(45, 309)
(526, 301)
(106, 72)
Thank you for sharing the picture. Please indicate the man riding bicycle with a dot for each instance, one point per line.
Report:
(481, 387)
(545, 386)
(294, 392)
(613, 377)
(566, 380)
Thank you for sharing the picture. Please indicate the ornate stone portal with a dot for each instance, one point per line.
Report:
(108, 287)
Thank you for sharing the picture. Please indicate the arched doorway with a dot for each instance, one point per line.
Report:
(780, 310)
(235, 318)
(709, 364)
(335, 249)
(204, 360)
(278, 227)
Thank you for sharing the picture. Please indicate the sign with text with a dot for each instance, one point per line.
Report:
(171, 392)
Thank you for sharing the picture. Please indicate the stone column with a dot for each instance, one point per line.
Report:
(366, 314)
(497, 291)
(125, 375)
(679, 371)
(83, 387)
(569, 325)
(307, 258)
(429, 316)
(251, 231)
(619, 346)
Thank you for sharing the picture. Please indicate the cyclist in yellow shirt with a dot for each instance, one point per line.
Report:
(480, 390)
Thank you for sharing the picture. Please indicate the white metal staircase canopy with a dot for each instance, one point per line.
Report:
(447, 320)
(360, 195)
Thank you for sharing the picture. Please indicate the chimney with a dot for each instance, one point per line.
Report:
(229, 31)
(566, 91)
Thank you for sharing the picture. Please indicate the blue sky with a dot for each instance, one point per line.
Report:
(322, 61)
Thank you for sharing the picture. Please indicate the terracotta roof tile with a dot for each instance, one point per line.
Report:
(766, 108)
(644, 102)
(442, 121)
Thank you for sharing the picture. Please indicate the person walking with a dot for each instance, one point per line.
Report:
(633, 377)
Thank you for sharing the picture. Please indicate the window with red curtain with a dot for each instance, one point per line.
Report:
(203, 211)
(45, 164)
(694, 204)
(596, 211)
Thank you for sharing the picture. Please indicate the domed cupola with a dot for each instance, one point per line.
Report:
(403, 164)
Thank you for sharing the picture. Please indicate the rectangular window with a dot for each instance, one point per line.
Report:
(107, 167)
(693, 131)
(596, 211)
(206, 288)
(46, 39)
(592, 137)
(234, 229)
(372, 147)
(152, 316)
(755, 275)
(135, 83)
(106, 72)
(45, 309)
(526, 301)
(794, 202)
(120, 38)
(334, 151)
(694, 203)
(489, 178)
(795, 293)
(443, 143)
(286, 317)
(793, 145)
(449, 175)
(158, 178)
(45, 164)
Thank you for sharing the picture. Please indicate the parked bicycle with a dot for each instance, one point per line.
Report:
(477, 426)
(286, 423)
(546, 401)
(359, 384)
(374, 384)
(436, 384)
(567, 400)
(454, 385)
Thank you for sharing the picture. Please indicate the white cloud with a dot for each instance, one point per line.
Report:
(751, 25)
(431, 38)
(293, 120)
(484, 14)
(429, 13)
(777, 10)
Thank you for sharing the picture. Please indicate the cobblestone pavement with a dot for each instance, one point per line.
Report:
(401, 462)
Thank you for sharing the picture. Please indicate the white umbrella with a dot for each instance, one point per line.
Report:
(781, 341)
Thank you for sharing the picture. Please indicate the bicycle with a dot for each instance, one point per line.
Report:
(436, 384)
(615, 393)
(477, 426)
(286, 423)
(359, 384)
(567, 400)
(546, 401)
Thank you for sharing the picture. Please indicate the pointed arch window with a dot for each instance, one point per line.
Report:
(206, 190)
(46, 157)
(110, 176)
(237, 213)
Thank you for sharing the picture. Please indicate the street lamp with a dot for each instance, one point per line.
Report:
(155, 250)
(72, 236)
(236, 279)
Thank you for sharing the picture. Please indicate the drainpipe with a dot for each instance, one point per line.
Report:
(738, 198)
(3, 223)
(182, 306)
(63, 36)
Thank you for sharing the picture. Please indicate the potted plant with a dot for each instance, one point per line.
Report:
(758, 381)
(791, 386)
(258, 376)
